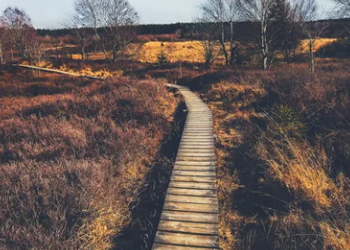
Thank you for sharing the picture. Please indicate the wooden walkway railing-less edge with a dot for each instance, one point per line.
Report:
(189, 218)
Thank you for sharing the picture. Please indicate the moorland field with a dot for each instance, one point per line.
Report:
(83, 162)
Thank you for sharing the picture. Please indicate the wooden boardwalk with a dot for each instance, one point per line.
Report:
(190, 214)
(56, 71)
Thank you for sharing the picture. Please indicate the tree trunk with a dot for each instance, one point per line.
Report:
(232, 45)
(1, 55)
(83, 52)
(312, 57)
(57, 53)
(101, 43)
(114, 54)
(264, 45)
(222, 42)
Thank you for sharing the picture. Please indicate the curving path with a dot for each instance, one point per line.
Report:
(189, 218)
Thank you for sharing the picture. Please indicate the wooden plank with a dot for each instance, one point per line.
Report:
(187, 239)
(206, 143)
(191, 199)
(195, 163)
(198, 134)
(198, 151)
(190, 216)
(193, 179)
(197, 140)
(158, 246)
(194, 192)
(188, 227)
(196, 154)
(190, 207)
(188, 137)
(189, 185)
(194, 168)
(194, 158)
(194, 173)
(194, 147)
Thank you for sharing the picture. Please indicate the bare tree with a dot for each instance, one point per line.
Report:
(222, 12)
(259, 11)
(205, 32)
(110, 20)
(232, 16)
(35, 48)
(306, 18)
(119, 16)
(89, 14)
(81, 32)
(214, 11)
(343, 8)
(2, 43)
(18, 24)
(342, 11)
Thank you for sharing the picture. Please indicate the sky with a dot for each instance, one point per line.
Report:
(52, 13)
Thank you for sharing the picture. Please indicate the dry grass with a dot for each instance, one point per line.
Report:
(282, 157)
(319, 44)
(188, 51)
(74, 155)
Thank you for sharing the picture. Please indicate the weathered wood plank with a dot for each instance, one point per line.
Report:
(195, 168)
(190, 217)
(188, 227)
(194, 192)
(192, 199)
(158, 246)
(192, 185)
(211, 179)
(194, 173)
(187, 239)
(194, 158)
(195, 154)
(195, 163)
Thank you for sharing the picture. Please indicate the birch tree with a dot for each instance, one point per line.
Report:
(306, 18)
(259, 11)
(221, 12)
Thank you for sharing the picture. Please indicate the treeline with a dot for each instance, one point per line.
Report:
(243, 30)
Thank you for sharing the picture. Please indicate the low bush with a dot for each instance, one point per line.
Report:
(282, 149)
(72, 159)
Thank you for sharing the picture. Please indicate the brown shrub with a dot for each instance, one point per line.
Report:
(282, 148)
(72, 161)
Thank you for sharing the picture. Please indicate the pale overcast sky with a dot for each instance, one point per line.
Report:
(51, 13)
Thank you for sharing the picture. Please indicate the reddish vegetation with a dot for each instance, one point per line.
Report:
(283, 155)
(74, 154)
